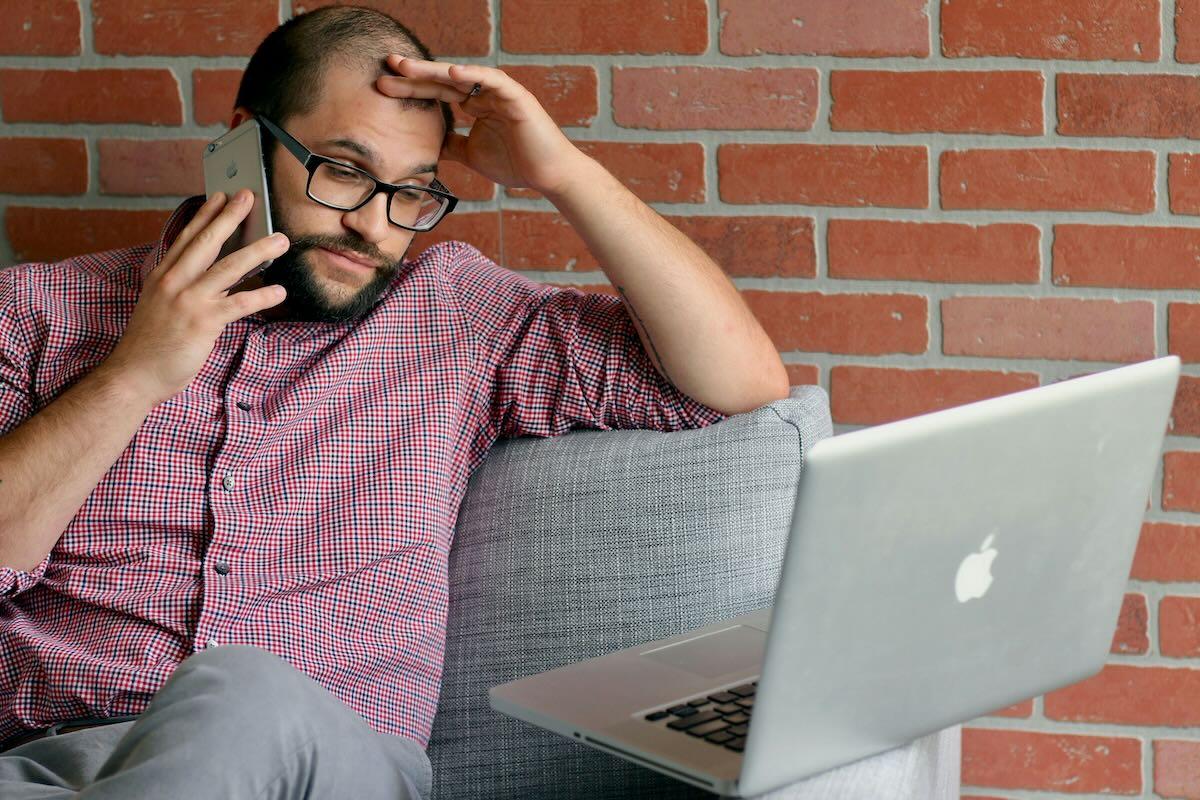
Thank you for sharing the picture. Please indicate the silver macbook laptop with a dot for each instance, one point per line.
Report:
(937, 568)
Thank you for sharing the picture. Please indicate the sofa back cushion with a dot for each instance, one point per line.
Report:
(575, 546)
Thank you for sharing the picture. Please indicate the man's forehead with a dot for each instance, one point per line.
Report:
(369, 155)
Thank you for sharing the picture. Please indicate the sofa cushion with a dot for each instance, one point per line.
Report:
(574, 546)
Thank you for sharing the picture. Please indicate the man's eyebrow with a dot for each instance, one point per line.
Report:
(368, 155)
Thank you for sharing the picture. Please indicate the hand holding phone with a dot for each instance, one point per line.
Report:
(184, 304)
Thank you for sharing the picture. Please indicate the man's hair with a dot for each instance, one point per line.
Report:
(286, 74)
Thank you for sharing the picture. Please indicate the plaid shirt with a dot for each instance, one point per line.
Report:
(300, 494)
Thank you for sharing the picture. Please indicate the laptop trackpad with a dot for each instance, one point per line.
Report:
(716, 653)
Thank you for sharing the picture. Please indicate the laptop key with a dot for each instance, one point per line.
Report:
(727, 708)
(657, 715)
(720, 737)
(745, 690)
(722, 697)
(737, 730)
(737, 719)
(697, 703)
(708, 727)
(746, 702)
(738, 744)
(682, 711)
(683, 723)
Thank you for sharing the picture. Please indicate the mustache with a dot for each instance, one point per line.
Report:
(347, 242)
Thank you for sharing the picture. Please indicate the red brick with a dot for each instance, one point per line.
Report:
(1023, 710)
(821, 28)
(937, 102)
(755, 247)
(861, 324)
(803, 374)
(1145, 106)
(1051, 328)
(182, 27)
(1185, 416)
(1178, 628)
(1132, 635)
(1052, 179)
(148, 96)
(605, 26)
(1183, 182)
(1187, 36)
(567, 91)
(140, 167)
(465, 182)
(31, 165)
(1177, 769)
(947, 252)
(1181, 481)
(824, 175)
(213, 95)
(1128, 695)
(874, 395)
(1053, 762)
(40, 28)
(52, 234)
(543, 240)
(446, 27)
(1066, 29)
(1167, 553)
(1124, 256)
(654, 171)
(717, 98)
(1183, 331)
(481, 229)
(741, 246)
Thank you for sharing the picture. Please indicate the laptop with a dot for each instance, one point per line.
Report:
(937, 568)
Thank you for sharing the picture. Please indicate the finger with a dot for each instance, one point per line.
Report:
(409, 87)
(202, 251)
(461, 76)
(203, 216)
(233, 267)
(243, 304)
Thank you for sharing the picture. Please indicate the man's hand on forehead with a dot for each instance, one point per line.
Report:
(512, 142)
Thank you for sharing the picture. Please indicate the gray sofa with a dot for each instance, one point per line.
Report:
(578, 545)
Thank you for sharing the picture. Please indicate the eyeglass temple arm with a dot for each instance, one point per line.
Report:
(294, 147)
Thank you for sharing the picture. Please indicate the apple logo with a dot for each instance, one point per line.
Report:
(975, 572)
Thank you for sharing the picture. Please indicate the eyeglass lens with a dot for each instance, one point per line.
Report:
(346, 188)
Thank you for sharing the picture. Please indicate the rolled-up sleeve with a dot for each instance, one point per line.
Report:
(16, 403)
(562, 358)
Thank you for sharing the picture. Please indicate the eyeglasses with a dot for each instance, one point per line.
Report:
(339, 185)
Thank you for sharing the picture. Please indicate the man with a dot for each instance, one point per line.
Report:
(224, 517)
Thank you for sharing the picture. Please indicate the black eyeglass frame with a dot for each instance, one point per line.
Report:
(311, 161)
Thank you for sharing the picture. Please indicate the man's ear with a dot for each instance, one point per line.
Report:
(240, 115)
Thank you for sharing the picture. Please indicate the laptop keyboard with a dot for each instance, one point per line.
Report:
(721, 718)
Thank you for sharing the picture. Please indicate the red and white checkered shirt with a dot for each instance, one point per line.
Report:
(301, 493)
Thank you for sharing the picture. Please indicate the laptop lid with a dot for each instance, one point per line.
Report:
(886, 627)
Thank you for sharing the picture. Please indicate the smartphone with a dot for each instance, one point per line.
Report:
(232, 162)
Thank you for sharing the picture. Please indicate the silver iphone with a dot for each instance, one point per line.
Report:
(232, 162)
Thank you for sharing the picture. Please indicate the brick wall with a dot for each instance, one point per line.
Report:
(925, 203)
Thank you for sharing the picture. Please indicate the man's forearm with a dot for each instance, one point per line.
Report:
(51, 462)
(696, 328)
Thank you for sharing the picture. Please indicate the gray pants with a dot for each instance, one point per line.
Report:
(231, 722)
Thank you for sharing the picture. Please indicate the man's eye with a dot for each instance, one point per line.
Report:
(411, 194)
(343, 174)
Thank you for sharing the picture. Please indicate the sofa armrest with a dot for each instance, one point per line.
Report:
(574, 546)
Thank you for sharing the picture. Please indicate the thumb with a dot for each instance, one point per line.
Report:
(455, 147)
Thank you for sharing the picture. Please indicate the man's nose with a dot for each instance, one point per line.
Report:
(370, 221)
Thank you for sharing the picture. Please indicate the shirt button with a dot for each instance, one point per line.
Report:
(211, 643)
(227, 482)
(243, 405)
(221, 567)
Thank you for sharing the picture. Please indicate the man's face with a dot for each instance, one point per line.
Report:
(354, 123)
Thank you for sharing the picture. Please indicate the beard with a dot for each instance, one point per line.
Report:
(307, 299)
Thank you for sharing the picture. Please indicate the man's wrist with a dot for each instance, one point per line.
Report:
(581, 174)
